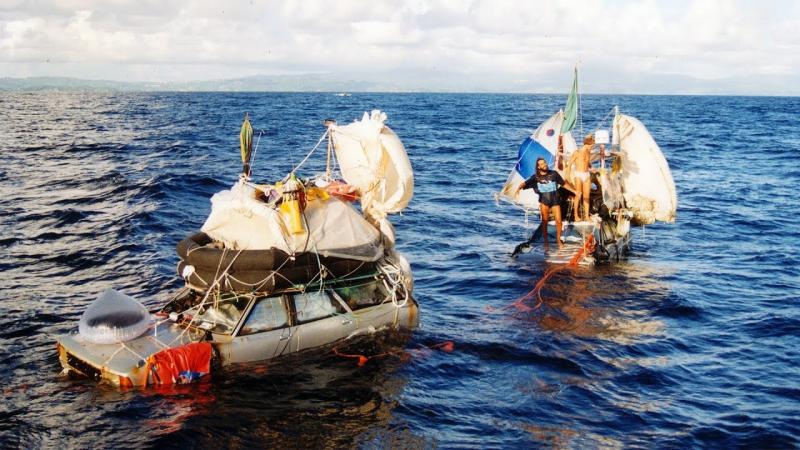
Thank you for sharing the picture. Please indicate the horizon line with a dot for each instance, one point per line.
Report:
(142, 88)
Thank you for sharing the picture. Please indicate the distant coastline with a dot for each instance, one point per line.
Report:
(305, 83)
(337, 84)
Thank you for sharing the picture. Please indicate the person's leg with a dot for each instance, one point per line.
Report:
(576, 199)
(544, 210)
(557, 213)
(587, 185)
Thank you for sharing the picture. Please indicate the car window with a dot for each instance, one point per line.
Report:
(315, 305)
(222, 315)
(267, 314)
(361, 295)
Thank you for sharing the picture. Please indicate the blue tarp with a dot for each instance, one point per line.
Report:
(529, 152)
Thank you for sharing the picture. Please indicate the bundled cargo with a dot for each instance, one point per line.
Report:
(269, 261)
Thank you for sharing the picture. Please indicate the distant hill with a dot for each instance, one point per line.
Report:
(389, 82)
(258, 83)
(398, 81)
(45, 83)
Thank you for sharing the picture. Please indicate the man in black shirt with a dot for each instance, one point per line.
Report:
(545, 183)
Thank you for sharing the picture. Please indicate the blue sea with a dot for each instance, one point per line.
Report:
(692, 341)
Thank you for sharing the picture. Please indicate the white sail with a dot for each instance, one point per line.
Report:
(649, 189)
(372, 158)
(542, 143)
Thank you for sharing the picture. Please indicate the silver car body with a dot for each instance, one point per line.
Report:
(243, 329)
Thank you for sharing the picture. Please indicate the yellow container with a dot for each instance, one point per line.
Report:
(291, 205)
(291, 208)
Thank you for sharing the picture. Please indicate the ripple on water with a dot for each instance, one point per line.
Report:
(689, 343)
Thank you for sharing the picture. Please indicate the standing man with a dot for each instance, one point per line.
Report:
(545, 183)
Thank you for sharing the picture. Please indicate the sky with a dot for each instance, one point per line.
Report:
(641, 47)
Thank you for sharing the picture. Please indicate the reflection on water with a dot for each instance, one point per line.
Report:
(308, 400)
(653, 352)
(555, 437)
(599, 302)
(177, 405)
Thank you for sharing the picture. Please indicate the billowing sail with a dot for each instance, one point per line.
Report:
(543, 143)
(372, 158)
(649, 189)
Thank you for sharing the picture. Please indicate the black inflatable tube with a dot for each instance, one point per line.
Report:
(196, 251)
(259, 280)
(248, 269)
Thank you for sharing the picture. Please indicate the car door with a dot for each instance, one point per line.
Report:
(320, 320)
(265, 332)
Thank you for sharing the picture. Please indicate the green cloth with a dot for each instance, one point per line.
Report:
(246, 140)
(571, 110)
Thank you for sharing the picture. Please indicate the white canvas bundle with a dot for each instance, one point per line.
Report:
(372, 158)
(241, 222)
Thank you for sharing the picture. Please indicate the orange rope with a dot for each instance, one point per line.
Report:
(361, 358)
(520, 303)
(446, 346)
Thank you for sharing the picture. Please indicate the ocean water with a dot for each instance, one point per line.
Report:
(690, 342)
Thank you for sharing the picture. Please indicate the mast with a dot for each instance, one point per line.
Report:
(615, 122)
(328, 124)
(570, 117)
(580, 110)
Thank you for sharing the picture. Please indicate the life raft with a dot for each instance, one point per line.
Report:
(255, 270)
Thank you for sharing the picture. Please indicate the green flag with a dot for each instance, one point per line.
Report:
(571, 109)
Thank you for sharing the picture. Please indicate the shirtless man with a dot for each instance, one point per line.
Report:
(581, 178)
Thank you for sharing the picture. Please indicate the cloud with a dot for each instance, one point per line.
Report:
(493, 39)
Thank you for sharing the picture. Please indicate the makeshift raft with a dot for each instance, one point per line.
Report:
(631, 182)
(275, 269)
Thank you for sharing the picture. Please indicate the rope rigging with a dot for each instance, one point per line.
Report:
(521, 305)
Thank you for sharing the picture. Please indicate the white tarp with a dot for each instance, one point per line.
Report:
(646, 179)
(372, 158)
(243, 223)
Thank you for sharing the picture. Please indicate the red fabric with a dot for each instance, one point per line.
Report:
(342, 191)
(182, 364)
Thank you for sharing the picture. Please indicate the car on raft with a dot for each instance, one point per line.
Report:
(275, 269)
(238, 328)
